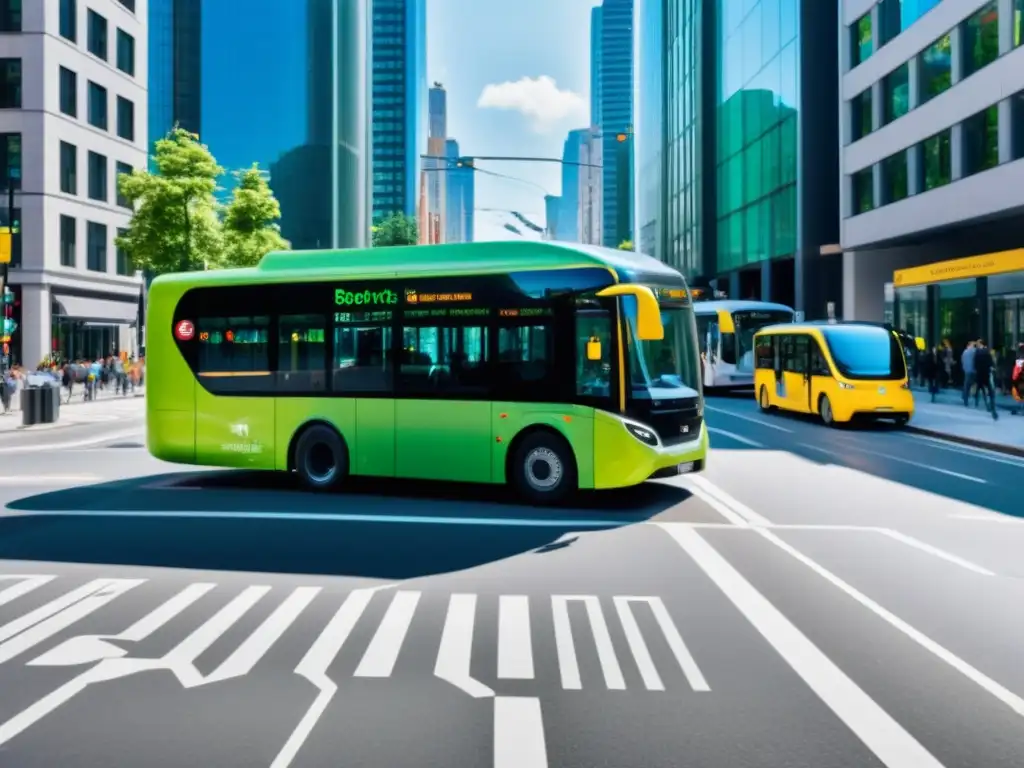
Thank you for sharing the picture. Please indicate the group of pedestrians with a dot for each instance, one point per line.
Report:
(101, 374)
(980, 373)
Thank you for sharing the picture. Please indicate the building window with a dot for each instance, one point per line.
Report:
(96, 246)
(69, 20)
(97, 35)
(894, 178)
(129, 4)
(68, 92)
(861, 42)
(123, 169)
(125, 119)
(1017, 122)
(937, 166)
(863, 191)
(125, 52)
(860, 107)
(896, 93)
(97, 177)
(68, 240)
(124, 264)
(68, 168)
(10, 83)
(10, 159)
(980, 35)
(98, 106)
(1018, 22)
(10, 15)
(981, 141)
(936, 69)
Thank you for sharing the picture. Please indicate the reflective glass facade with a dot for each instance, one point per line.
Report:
(650, 130)
(616, 73)
(757, 149)
(175, 34)
(399, 93)
(304, 119)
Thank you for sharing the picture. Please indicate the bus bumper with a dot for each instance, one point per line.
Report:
(621, 460)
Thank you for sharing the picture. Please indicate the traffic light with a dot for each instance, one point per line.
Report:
(8, 296)
(464, 162)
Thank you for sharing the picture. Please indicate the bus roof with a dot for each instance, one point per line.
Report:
(820, 325)
(738, 305)
(437, 260)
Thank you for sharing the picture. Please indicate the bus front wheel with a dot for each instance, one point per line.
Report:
(321, 458)
(825, 411)
(763, 400)
(543, 469)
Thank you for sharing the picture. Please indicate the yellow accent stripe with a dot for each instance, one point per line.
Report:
(223, 374)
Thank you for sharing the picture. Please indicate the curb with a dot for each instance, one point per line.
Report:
(1011, 450)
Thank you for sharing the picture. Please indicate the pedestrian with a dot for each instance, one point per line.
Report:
(931, 365)
(967, 366)
(1017, 377)
(983, 366)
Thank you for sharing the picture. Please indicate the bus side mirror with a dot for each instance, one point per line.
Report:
(594, 348)
(648, 313)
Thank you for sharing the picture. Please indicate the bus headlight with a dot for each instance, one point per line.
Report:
(643, 434)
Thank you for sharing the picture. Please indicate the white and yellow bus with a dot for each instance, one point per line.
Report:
(725, 330)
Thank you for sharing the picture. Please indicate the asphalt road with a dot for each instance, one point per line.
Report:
(820, 598)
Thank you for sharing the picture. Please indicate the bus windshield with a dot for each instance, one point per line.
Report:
(747, 323)
(866, 352)
(668, 369)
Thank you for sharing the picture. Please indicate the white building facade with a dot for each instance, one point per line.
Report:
(932, 165)
(79, 115)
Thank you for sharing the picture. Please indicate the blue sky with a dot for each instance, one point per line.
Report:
(513, 47)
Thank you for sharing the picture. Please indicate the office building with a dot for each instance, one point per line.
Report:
(932, 165)
(460, 194)
(595, 65)
(399, 104)
(613, 62)
(175, 66)
(552, 214)
(569, 215)
(591, 189)
(72, 117)
(434, 176)
(740, 111)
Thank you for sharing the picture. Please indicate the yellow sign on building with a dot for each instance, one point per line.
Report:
(5, 247)
(961, 269)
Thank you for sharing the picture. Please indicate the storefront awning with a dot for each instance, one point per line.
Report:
(104, 311)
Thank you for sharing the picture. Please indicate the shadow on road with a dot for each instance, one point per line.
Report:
(245, 521)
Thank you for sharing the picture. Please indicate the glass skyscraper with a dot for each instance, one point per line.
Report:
(399, 103)
(569, 216)
(174, 66)
(748, 108)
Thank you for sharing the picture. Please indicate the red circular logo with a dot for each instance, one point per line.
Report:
(184, 330)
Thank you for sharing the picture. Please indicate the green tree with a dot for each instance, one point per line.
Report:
(626, 245)
(175, 227)
(396, 229)
(250, 221)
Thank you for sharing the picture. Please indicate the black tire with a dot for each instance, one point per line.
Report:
(321, 458)
(763, 401)
(901, 421)
(825, 411)
(543, 469)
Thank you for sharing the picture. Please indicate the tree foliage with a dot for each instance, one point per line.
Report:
(250, 221)
(396, 229)
(626, 245)
(175, 226)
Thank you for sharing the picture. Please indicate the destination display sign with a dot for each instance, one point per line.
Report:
(525, 312)
(413, 296)
(448, 312)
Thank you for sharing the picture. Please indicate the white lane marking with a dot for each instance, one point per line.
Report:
(20, 624)
(48, 479)
(44, 630)
(515, 646)
(982, 517)
(751, 419)
(382, 653)
(735, 520)
(942, 554)
(36, 447)
(642, 655)
(566, 648)
(455, 656)
(965, 450)
(27, 583)
(734, 436)
(893, 745)
(87, 649)
(1009, 698)
(899, 459)
(314, 666)
(519, 733)
(752, 517)
(248, 654)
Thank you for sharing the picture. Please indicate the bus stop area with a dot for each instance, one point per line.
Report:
(948, 419)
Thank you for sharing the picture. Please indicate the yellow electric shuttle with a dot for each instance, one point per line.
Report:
(839, 371)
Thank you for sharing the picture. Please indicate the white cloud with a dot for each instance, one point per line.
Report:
(539, 99)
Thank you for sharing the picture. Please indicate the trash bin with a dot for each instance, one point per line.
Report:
(31, 405)
(49, 409)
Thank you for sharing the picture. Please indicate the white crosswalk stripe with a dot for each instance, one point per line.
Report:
(22, 586)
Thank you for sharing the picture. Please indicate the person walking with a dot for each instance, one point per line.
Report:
(967, 366)
(931, 366)
(983, 366)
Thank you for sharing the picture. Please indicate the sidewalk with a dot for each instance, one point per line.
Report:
(106, 408)
(953, 396)
(948, 419)
(76, 398)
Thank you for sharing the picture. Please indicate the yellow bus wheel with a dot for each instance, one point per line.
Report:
(763, 400)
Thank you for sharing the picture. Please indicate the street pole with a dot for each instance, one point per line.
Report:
(4, 270)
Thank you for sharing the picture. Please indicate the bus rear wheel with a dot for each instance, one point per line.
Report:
(825, 411)
(543, 469)
(321, 458)
(763, 401)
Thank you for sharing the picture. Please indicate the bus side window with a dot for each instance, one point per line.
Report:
(713, 338)
(765, 353)
(593, 377)
(702, 333)
(797, 350)
(819, 364)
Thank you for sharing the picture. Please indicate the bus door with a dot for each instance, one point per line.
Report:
(443, 423)
(795, 371)
(822, 381)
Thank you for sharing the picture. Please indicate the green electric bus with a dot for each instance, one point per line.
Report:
(551, 367)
